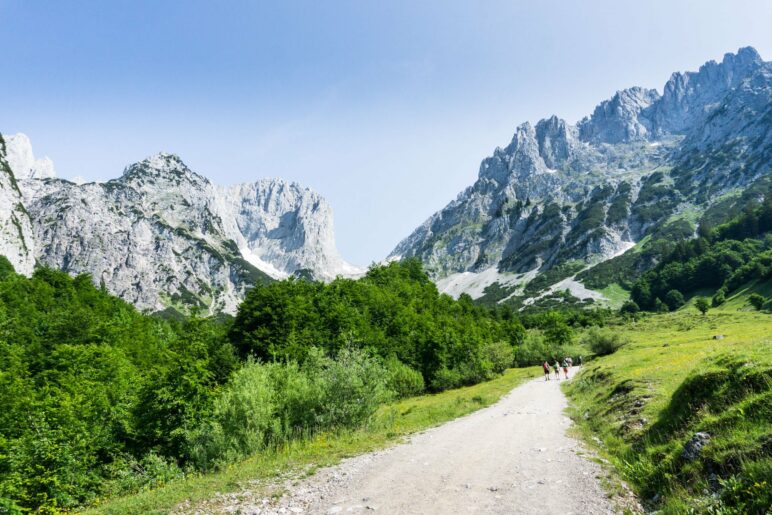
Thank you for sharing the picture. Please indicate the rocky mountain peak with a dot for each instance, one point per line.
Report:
(690, 96)
(162, 167)
(746, 57)
(555, 138)
(23, 162)
(619, 119)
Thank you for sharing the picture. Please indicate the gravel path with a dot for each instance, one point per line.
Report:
(512, 457)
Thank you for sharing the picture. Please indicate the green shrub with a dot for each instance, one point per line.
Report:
(674, 300)
(445, 379)
(629, 308)
(297, 398)
(244, 419)
(533, 350)
(556, 331)
(499, 356)
(9, 507)
(603, 341)
(264, 404)
(403, 380)
(127, 475)
(702, 304)
(756, 300)
(353, 386)
(719, 297)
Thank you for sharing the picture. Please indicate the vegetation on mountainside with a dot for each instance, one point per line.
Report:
(681, 377)
(662, 239)
(721, 259)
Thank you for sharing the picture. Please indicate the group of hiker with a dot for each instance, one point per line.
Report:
(568, 362)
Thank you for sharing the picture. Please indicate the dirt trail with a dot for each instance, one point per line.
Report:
(512, 457)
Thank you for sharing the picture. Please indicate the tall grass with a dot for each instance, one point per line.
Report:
(644, 403)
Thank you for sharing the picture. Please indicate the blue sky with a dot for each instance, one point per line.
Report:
(386, 108)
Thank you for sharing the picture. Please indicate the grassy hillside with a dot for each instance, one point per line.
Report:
(738, 300)
(391, 422)
(682, 373)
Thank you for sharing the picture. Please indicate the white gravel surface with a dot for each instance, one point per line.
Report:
(512, 457)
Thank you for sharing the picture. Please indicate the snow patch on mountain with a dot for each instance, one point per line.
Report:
(574, 287)
(475, 283)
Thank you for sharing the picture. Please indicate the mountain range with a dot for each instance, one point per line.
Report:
(162, 236)
(565, 211)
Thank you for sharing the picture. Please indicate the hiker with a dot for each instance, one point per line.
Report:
(570, 362)
(565, 368)
(546, 367)
(556, 368)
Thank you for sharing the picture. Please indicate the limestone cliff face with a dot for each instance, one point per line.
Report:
(164, 236)
(560, 194)
(16, 239)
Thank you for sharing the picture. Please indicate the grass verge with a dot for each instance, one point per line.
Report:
(643, 405)
(392, 422)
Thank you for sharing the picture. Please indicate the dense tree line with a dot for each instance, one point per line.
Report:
(721, 259)
(98, 400)
(394, 311)
(90, 388)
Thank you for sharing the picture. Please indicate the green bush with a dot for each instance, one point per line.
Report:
(719, 297)
(756, 300)
(403, 380)
(629, 308)
(445, 379)
(244, 419)
(127, 475)
(557, 332)
(265, 404)
(498, 356)
(674, 300)
(702, 304)
(603, 342)
(533, 350)
(353, 386)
